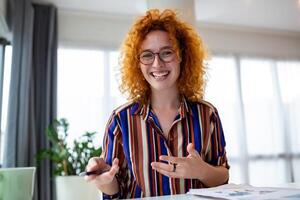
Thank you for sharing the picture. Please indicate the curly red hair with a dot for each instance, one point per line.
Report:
(189, 48)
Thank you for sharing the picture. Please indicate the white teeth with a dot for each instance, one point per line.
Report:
(160, 74)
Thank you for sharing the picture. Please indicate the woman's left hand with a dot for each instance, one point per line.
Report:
(185, 167)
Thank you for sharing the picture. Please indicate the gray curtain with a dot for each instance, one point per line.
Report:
(32, 99)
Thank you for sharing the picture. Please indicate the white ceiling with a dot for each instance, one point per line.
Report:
(126, 7)
(281, 15)
(270, 14)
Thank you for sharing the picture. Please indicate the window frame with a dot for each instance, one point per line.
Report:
(3, 44)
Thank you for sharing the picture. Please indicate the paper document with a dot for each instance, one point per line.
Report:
(247, 192)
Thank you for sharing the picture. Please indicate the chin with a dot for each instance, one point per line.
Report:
(160, 87)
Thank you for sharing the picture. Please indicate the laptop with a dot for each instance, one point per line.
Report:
(17, 183)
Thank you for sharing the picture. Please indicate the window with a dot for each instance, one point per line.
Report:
(288, 76)
(5, 83)
(258, 102)
(87, 89)
(115, 78)
(222, 92)
(264, 128)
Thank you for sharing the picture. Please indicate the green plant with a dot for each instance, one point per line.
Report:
(68, 159)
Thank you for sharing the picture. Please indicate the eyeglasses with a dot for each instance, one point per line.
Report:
(147, 57)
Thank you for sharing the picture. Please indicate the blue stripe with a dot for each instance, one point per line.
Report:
(196, 127)
(165, 179)
(223, 142)
(111, 139)
(125, 136)
(151, 158)
(134, 108)
(138, 192)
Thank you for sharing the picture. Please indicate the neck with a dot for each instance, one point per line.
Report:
(165, 99)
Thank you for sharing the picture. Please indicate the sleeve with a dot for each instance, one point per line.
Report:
(218, 152)
(113, 148)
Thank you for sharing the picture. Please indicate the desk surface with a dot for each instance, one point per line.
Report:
(286, 185)
(194, 197)
(176, 197)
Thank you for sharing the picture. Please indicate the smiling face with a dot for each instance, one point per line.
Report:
(163, 72)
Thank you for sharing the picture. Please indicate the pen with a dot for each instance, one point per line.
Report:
(96, 172)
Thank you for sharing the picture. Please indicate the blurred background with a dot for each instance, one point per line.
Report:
(252, 76)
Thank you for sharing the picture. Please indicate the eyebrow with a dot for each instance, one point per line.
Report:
(164, 47)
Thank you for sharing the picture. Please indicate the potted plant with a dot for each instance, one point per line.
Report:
(69, 161)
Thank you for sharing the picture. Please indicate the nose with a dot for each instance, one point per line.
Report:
(157, 62)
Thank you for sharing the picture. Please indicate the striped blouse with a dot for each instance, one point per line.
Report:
(134, 136)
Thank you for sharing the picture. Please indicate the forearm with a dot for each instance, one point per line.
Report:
(111, 188)
(212, 176)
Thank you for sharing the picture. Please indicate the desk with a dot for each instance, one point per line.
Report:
(286, 185)
(176, 197)
(194, 197)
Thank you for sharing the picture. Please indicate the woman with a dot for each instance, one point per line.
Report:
(166, 140)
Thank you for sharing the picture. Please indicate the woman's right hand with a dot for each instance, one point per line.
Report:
(106, 178)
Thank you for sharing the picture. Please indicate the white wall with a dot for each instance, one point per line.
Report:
(249, 41)
(91, 30)
(94, 30)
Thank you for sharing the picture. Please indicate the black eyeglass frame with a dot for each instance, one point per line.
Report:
(159, 56)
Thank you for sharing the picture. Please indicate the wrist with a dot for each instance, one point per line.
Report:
(204, 171)
(109, 188)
